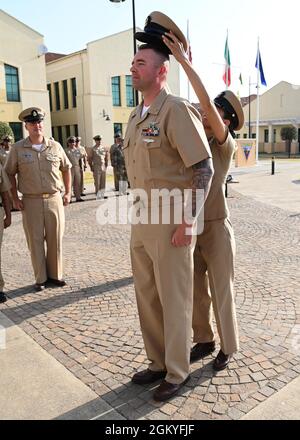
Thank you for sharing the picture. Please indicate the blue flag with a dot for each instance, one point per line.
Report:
(259, 66)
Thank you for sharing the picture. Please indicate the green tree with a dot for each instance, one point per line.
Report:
(288, 134)
(6, 130)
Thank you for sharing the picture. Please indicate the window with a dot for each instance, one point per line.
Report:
(66, 96)
(129, 91)
(238, 136)
(50, 96)
(60, 135)
(117, 128)
(76, 130)
(12, 84)
(245, 136)
(253, 135)
(266, 136)
(275, 136)
(68, 131)
(57, 95)
(17, 129)
(74, 92)
(52, 132)
(116, 91)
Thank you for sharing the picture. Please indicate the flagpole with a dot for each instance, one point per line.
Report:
(258, 110)
(188, 37)
(249, 107)
(227, 67)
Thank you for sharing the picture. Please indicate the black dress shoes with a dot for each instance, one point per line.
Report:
(200, 351)
(40, 287)
(57, 283)
(167, 390)
(3, 298)
(221, 362)
(147, 377)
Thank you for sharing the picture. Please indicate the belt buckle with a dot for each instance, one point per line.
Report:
(46, 196)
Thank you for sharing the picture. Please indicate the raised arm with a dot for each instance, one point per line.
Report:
(219, 129)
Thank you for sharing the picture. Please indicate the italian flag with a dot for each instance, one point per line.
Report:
(227, 74)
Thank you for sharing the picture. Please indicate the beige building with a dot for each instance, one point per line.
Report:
(91, 90)
(279, 107)
(22, 73)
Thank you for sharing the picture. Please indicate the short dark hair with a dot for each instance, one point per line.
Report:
(158, 50)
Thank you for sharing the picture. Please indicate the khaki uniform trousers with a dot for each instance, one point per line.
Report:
(214, 268)
(100, 179)
(44, 220)
(76, 181)
(1, 239)
(82, 180)
(163, 277)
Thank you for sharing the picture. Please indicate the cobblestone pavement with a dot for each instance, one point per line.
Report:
(92, 328)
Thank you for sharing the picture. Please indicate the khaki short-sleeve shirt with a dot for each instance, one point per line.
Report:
(5, 184)
(38, 172)
(161, 147)
(74, 156)
(99, 157)
(216, 206)
(3, 156)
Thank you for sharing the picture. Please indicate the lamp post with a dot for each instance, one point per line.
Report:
(134, 40)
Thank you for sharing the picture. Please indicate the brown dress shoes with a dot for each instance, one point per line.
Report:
(221, 362)
(202, 350)
(168, 390)
(148, 376)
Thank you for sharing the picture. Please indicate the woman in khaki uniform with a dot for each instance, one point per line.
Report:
(75, 156)
(39, 163)
(215, 250)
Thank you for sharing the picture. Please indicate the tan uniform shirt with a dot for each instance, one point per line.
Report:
(216, 206)
(38, 172)
(3, 156)
(74, 156)
(99, 157)
(161, 148)
(4, 181)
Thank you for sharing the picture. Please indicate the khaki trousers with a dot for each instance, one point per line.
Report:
(82, 180)
(100, 179)
(44, 221)
(76, 181)
(163, 277)
(214, 270)
(1, 239)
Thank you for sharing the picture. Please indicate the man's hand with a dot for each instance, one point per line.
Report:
(67, 199)
(18, 204)
(183, 236)
(7, 222)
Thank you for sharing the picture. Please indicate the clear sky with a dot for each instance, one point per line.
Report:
(68, 25)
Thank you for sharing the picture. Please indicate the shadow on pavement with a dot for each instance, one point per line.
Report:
(132, 402)
(25, 311)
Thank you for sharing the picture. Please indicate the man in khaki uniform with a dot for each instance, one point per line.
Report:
(5, 222)
(38, 162)
(5, 147)
(83, 162)
(98, 161)
(165, 148)
(75, 156)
